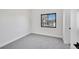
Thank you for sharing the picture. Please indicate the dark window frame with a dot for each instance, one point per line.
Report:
(47, 15)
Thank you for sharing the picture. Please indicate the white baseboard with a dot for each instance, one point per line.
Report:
(13, 40)
(49, 35)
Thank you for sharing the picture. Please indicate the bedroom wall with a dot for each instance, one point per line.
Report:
(14, 24)
(77, 25)
(74, 38)
(36, 23)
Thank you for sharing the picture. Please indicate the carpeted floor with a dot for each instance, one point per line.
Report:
(35, 41)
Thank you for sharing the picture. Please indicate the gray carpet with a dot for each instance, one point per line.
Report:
(34, 41)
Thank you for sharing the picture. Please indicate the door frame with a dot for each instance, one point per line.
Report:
(65, 12)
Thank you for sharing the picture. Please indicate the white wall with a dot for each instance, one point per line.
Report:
(13, 25)
(77, 25)
(36, 23)
(78, 20)
(73, 27)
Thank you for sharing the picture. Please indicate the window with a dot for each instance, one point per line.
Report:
(48, 20)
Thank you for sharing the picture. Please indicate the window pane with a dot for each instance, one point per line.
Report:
(51, 17)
